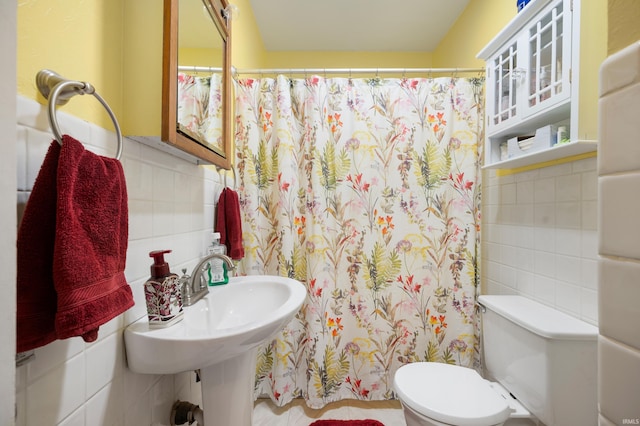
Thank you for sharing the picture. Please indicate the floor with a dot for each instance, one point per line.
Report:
(297, 413)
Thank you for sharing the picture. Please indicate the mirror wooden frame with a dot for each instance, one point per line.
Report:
(170, 134)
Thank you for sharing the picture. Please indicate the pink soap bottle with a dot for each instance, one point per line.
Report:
(162, 293)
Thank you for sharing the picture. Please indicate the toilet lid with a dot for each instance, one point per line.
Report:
(450, 394)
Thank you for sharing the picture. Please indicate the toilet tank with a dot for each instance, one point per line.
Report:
(545, 358)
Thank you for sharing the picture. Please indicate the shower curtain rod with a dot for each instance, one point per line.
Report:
(198, 69)
(349, 71)
(357, 70)
(322, 71)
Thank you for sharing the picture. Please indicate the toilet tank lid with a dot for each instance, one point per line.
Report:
(538, 318)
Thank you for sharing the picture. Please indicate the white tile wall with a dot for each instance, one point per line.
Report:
(618, 213)
(539, 236)
(619, 232)
(618, 384)
(171, 205)
(619, 300)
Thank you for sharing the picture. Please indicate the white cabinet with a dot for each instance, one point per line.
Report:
(529, 69)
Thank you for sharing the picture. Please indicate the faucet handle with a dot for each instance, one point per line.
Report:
(183, 281)
(202, 280)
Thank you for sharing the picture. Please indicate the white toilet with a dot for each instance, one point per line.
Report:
(541, 362)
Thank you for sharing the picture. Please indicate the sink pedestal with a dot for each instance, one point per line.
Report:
(227, 390)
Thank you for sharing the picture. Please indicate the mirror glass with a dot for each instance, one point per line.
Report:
(197, 78)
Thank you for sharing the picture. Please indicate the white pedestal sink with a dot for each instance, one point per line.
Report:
(219, 336)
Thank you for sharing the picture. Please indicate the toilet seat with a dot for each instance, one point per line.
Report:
(450, 394)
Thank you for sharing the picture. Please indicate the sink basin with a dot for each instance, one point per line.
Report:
(219, 336)
(230, 320)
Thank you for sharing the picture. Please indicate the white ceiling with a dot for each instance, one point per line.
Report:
(355, 25)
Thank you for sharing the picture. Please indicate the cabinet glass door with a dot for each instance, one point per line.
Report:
(504, 90)
(546, 55)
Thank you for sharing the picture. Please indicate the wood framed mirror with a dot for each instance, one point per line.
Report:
(196, 80)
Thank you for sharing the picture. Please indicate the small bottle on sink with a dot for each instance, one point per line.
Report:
(217, 270)
(162, 293)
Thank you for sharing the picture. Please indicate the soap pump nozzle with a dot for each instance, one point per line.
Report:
(160, 268)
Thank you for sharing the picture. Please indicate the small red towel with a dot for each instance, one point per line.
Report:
(36, 295)
(72, 245)
(229, 224)
(91, 242)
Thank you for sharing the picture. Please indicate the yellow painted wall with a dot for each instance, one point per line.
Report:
(142, 67)
(593, 50)
(81, 40)
(477, 25)
(116, 45)
(97, 41)
(624, 27)
(341, 59)
(200, 57)
(247, 48)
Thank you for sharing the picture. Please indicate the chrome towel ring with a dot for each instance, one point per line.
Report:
(235, 176)
(59, 90)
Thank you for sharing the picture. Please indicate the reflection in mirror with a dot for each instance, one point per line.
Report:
(200, 59)
(196, 87)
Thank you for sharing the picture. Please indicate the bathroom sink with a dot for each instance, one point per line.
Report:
(219, 336)
(229, 321)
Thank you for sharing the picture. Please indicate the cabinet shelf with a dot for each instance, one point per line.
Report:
(554, 153)
(538, 44)
(545, 37)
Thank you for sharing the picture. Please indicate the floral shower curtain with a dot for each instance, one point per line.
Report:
(200, 108)
(368, 192)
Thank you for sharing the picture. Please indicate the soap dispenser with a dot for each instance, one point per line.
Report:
(217, 269)
(162, 293)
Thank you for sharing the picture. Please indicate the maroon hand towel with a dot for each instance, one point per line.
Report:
(91, 242)
(36, 295)
(228, 223)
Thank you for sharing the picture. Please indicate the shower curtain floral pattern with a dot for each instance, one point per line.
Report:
(368, 192)
(200, 108)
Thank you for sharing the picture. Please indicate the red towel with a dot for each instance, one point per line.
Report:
(228, 223)
(36, 295)
(83, 266)
(91, 242)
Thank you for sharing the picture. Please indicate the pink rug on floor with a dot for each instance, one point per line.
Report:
(346, 423)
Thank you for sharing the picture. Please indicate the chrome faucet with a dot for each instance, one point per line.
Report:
(195, 287)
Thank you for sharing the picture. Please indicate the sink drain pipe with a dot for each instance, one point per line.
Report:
(185, 412)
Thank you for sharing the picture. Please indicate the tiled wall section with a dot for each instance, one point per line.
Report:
(619, 228)
(539, 236)
(171, 205)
